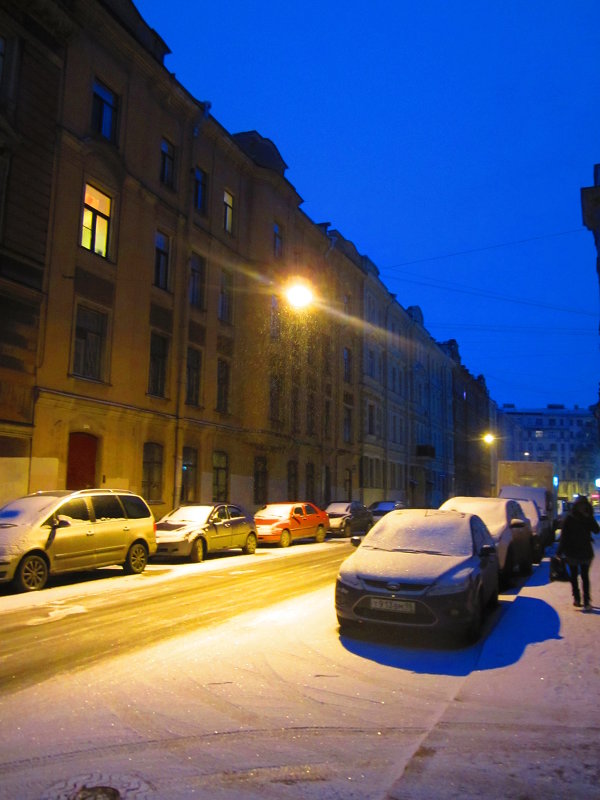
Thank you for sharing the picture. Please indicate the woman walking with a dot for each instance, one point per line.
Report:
(575, 546)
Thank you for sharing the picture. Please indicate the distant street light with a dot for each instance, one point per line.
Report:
(489, 438)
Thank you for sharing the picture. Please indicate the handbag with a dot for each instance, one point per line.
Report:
(558, 569)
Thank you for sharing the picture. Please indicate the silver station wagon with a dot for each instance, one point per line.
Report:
(48, 533)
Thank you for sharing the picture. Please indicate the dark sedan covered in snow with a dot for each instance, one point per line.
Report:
(420, 568)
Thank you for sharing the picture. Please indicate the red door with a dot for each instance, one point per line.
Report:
(81, 464)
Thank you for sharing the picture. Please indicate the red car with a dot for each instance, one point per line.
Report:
(282, 523)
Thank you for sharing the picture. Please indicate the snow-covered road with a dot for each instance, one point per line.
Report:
(277, 705)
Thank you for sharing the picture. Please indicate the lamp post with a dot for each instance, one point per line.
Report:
(489, 440)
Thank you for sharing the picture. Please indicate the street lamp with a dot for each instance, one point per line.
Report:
(299, 295)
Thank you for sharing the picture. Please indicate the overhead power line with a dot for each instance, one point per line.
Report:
(487, 247)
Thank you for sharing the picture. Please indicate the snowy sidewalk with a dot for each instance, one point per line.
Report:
(547, 653)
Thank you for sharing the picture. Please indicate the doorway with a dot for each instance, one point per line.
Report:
(81, 462)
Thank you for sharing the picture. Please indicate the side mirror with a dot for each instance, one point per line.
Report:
(61, 522)
(517, 523)
(355, 541)
(487, 550)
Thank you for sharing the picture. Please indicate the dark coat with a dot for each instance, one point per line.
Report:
(576, 537)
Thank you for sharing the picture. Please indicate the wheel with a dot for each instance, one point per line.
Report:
(32, 573)
(137, 558)
(346, 531)
(250, 546)
(527, 566)
(285, 539)
(494, 600)
(507, 573)
(320, 537)
(197, 553)
(474, 629)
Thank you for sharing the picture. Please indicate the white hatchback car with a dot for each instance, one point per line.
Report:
(48, 533)
(509, 527)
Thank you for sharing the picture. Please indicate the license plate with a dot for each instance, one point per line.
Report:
(400, 606)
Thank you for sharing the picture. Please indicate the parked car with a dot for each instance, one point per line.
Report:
(382, 507)
(192, 531)
(48, 533)
(349, 518)
(509, 527)
(283, 523)
(420, 568)
(544, 500)
(538, 528)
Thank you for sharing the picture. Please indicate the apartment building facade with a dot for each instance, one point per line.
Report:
(568, 437)
(147, 342)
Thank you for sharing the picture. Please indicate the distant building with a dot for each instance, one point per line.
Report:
(568, 437)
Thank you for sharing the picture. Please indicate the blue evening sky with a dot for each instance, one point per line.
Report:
(448, 139)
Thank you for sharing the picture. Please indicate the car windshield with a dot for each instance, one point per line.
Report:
(383, 505)
(26, 510)
(189, 514)
(449, 537)
(338, 508)
(278, 510)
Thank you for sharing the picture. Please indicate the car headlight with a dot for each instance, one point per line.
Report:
(349, 579)
(454, 584)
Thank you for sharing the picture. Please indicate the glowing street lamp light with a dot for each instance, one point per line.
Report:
(489, 438)
(299, 295)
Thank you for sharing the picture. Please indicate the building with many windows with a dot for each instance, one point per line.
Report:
(146, 337)
(568, 437)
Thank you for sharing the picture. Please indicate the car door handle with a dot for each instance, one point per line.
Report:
(89, 533)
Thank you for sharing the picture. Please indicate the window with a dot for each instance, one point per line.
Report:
(167, 163)
(189, 474)
(152, 472)
(2, 57)
(295, 408)
(96, 221)
(347, 424)
(107, 506)
(371, 419)
(223, 370)
(292, 480)
(310, 481)
(225, 297)
(104, 112)
(220, 476)
(260, 481)
(197, 281)
(162, 247)
(275, 392)
(327, 418)
(347, 357)
(275, 318)
(326, 353)
(193, 376)
(228, 212)
(90, 343)
(157, 376)
(310, 413)
(200, 190)
(277, 241)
